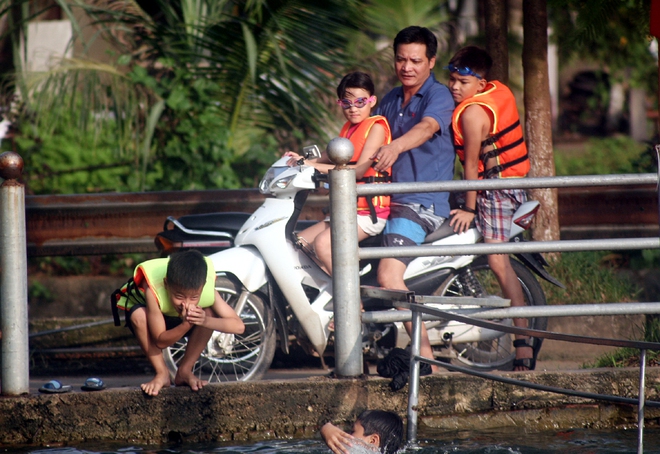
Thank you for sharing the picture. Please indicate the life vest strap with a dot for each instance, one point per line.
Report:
(374, 179)
(495, 137)
(128, 291)
(500, 168)
(498, 151)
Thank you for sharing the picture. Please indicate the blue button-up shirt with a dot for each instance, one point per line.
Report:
(434, 159)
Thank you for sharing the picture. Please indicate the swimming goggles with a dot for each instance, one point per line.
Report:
(359, 102)
(464, 71)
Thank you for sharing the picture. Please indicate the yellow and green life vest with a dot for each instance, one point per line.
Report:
(152, 274)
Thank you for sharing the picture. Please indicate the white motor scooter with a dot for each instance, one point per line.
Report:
(277, 287)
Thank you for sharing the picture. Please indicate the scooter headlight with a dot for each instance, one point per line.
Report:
(270, 181)
(264, 184)
(282, 183)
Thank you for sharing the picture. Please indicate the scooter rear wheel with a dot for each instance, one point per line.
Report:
(497, 353)
(233, 357)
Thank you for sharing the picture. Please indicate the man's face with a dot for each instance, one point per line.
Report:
(464, 87)
(411, 64)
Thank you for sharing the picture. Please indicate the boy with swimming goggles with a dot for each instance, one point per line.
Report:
(489, 141)
(368, 134)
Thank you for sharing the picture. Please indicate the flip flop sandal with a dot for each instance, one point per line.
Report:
(93, 384)
(55, 387)
(535, 345)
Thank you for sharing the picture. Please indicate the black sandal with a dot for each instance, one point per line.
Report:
(529, 363)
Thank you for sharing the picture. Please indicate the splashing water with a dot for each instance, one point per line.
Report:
(504, 441)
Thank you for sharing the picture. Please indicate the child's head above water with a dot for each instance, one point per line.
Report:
(381, 428)
(356, 97)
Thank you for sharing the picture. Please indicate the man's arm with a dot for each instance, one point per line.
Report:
(387, 155)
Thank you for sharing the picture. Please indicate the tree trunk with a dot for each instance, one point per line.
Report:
(497, 32)
(538, 119)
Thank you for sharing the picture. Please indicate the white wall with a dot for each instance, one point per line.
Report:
(47, 41)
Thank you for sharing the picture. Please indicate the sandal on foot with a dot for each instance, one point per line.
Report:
(529, 363)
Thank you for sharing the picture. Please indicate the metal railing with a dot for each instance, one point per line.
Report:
(413, 396)
(345, 244)
(346, 252)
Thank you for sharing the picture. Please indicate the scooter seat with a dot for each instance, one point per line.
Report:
(213, 221)
(444, 231)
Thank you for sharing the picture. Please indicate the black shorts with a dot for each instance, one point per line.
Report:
(170, 322)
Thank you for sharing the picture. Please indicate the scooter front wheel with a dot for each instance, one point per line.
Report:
(233, 357)
(476, 280)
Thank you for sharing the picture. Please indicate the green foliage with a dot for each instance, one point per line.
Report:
(203, 93)
(612, 155)
(38, 291)
(611, 33)
(589, 277)
(71, 161)
(644, 259)
(119, 265)
(626, 357)
(190, 143)
(61, 266)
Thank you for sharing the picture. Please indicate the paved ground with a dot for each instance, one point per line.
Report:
(134, 380)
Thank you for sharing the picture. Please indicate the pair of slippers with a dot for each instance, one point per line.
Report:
(56, 387)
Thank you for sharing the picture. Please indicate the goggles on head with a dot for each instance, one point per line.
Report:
(463, 71)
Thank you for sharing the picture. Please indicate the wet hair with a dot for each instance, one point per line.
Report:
(475, 58)
(187, 270)
(355, 79)
(417, 35)
(387, 425)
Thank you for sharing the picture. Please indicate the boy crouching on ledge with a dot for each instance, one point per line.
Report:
(179, 299)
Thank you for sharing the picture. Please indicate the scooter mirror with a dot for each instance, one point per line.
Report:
(311, 152)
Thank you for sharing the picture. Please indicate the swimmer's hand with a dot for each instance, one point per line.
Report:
(337, 440)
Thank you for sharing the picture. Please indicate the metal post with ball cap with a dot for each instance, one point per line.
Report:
(345, 267)
(15, 374)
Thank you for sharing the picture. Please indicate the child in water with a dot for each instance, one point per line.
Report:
(373, 431)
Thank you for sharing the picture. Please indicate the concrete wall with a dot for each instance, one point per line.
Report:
(298, 408)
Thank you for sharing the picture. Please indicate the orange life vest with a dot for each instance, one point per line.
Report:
(358, 138)
(506, 135)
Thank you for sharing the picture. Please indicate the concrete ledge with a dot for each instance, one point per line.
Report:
(297, 408)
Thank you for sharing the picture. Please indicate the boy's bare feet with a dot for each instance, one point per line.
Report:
(153, 387)
(188, 379)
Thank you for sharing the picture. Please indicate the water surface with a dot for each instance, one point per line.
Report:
(509, 441)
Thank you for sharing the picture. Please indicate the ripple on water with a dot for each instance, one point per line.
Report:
(504, 441)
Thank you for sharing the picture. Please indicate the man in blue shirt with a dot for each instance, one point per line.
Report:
(419, 113)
